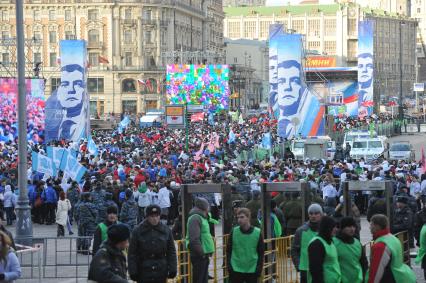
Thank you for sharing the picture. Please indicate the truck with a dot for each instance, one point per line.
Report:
(315, 149)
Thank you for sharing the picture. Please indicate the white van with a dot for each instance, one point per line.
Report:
(354, 135)
(368, 148)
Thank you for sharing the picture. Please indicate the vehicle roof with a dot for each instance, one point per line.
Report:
(400, 142)
(369, 139)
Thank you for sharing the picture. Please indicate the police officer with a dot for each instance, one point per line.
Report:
(102, 216)
(293, 214)
(98, 198)
(73, 194)
(109, 263)
(304, 234)
(352, 259)
(403, 218)
(152, 253)
(86, 215)
(129, 211)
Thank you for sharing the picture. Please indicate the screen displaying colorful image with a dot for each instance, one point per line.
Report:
(9, 104)
(365, 68)
(206, 85)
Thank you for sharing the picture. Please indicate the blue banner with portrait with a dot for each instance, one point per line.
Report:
(365, 68)
(67, 108)
(300, 110)
(274, 31)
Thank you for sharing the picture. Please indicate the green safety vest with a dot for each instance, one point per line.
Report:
(278, 231)
(244, 255)
(422, 250)
(104, 231)
(331, 267)
(349, 256)
(401, 272)
(206, 238)
(306, 238)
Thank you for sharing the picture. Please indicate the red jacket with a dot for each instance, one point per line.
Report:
(380, 260)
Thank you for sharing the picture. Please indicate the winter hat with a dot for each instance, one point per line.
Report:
(118, 233)
(129, 194)
(347, 222)
(326, 227)
(152, 209)
(315, 208)
(202, 204)
(112, 209)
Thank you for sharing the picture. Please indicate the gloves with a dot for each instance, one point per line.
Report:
(172, 275)
(2, 277)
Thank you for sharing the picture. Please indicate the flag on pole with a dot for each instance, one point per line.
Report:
(43, 164)
(123, 124)
(92, 147)
(72, 167)
(211, 119)
(423, 161)
(198, 153)
(103, 60)
(231, 137)
(240, 119)
(197, 117)
(56, 154)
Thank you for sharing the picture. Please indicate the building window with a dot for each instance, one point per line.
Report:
(298, 26)
(128, 85)
(128, 14)
(147, 14)
(5, 59)
(128, 38)
(264, 29)
(330, 27)
(36, 15)
(93, 15)
(95, 85)
(68, 15)
(128, 58)
(54, 84)
(352, 27)
(52, 59)
(235, 60)
(69, 35)
(52, 15)
(352, 49)
(330, 47)
(94, 59)
(148, 36)
(234, 30)
(418, 10)
(93, 36)
(4, 15)
(314, 45)
(37, 36)
(314, 28)
(4, 35)
(250, 29)
(36, 57)
(129, 106)
(52, 36)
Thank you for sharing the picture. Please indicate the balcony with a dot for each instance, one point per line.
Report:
(95, 44)
(129, 22)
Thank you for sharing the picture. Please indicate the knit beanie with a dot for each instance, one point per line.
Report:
(315, 208)
(347, 222)
(202, 204)
(118, 233)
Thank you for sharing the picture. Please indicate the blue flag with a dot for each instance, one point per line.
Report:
(123, 124)
(43, 164)
(92, 147)
(211, 119)
(231, 137)
(72, 167)
(266, 140)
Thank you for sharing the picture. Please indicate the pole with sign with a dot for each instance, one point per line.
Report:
(418, 87)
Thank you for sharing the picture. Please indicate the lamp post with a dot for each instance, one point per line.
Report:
(24, 228)
(400, 108)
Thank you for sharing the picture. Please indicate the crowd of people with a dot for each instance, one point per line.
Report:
(132, 191)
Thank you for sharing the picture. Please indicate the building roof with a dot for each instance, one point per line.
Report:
(291, 9)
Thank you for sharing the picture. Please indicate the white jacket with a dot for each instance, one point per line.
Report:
(144, 199)
(164, 197)
(62, 212)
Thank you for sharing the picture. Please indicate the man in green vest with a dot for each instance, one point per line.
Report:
(322, 253)
(199, 240)
(386, 262)
(102, 228)
(245, 250)
(302, 237)
(351, 255)
(421, 258)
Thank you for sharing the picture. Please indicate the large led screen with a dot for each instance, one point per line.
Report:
(198, 85)
(34, 89)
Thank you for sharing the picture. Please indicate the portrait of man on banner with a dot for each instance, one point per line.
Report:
(69, 106)
(365, 68)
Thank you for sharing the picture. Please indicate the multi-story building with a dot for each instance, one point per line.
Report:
(230, 3)
(402, 7)
(126, 43)
(333, 30)
(252, 65)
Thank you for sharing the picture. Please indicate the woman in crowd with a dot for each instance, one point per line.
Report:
(64, 206)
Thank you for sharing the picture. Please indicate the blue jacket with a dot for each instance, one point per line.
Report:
(49, 195)
(32, 194)
(12, 268)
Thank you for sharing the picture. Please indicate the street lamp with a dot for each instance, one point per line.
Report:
(400, 108)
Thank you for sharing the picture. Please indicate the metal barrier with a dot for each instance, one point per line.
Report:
(183, 263)
(280, 268)
(30, 261)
